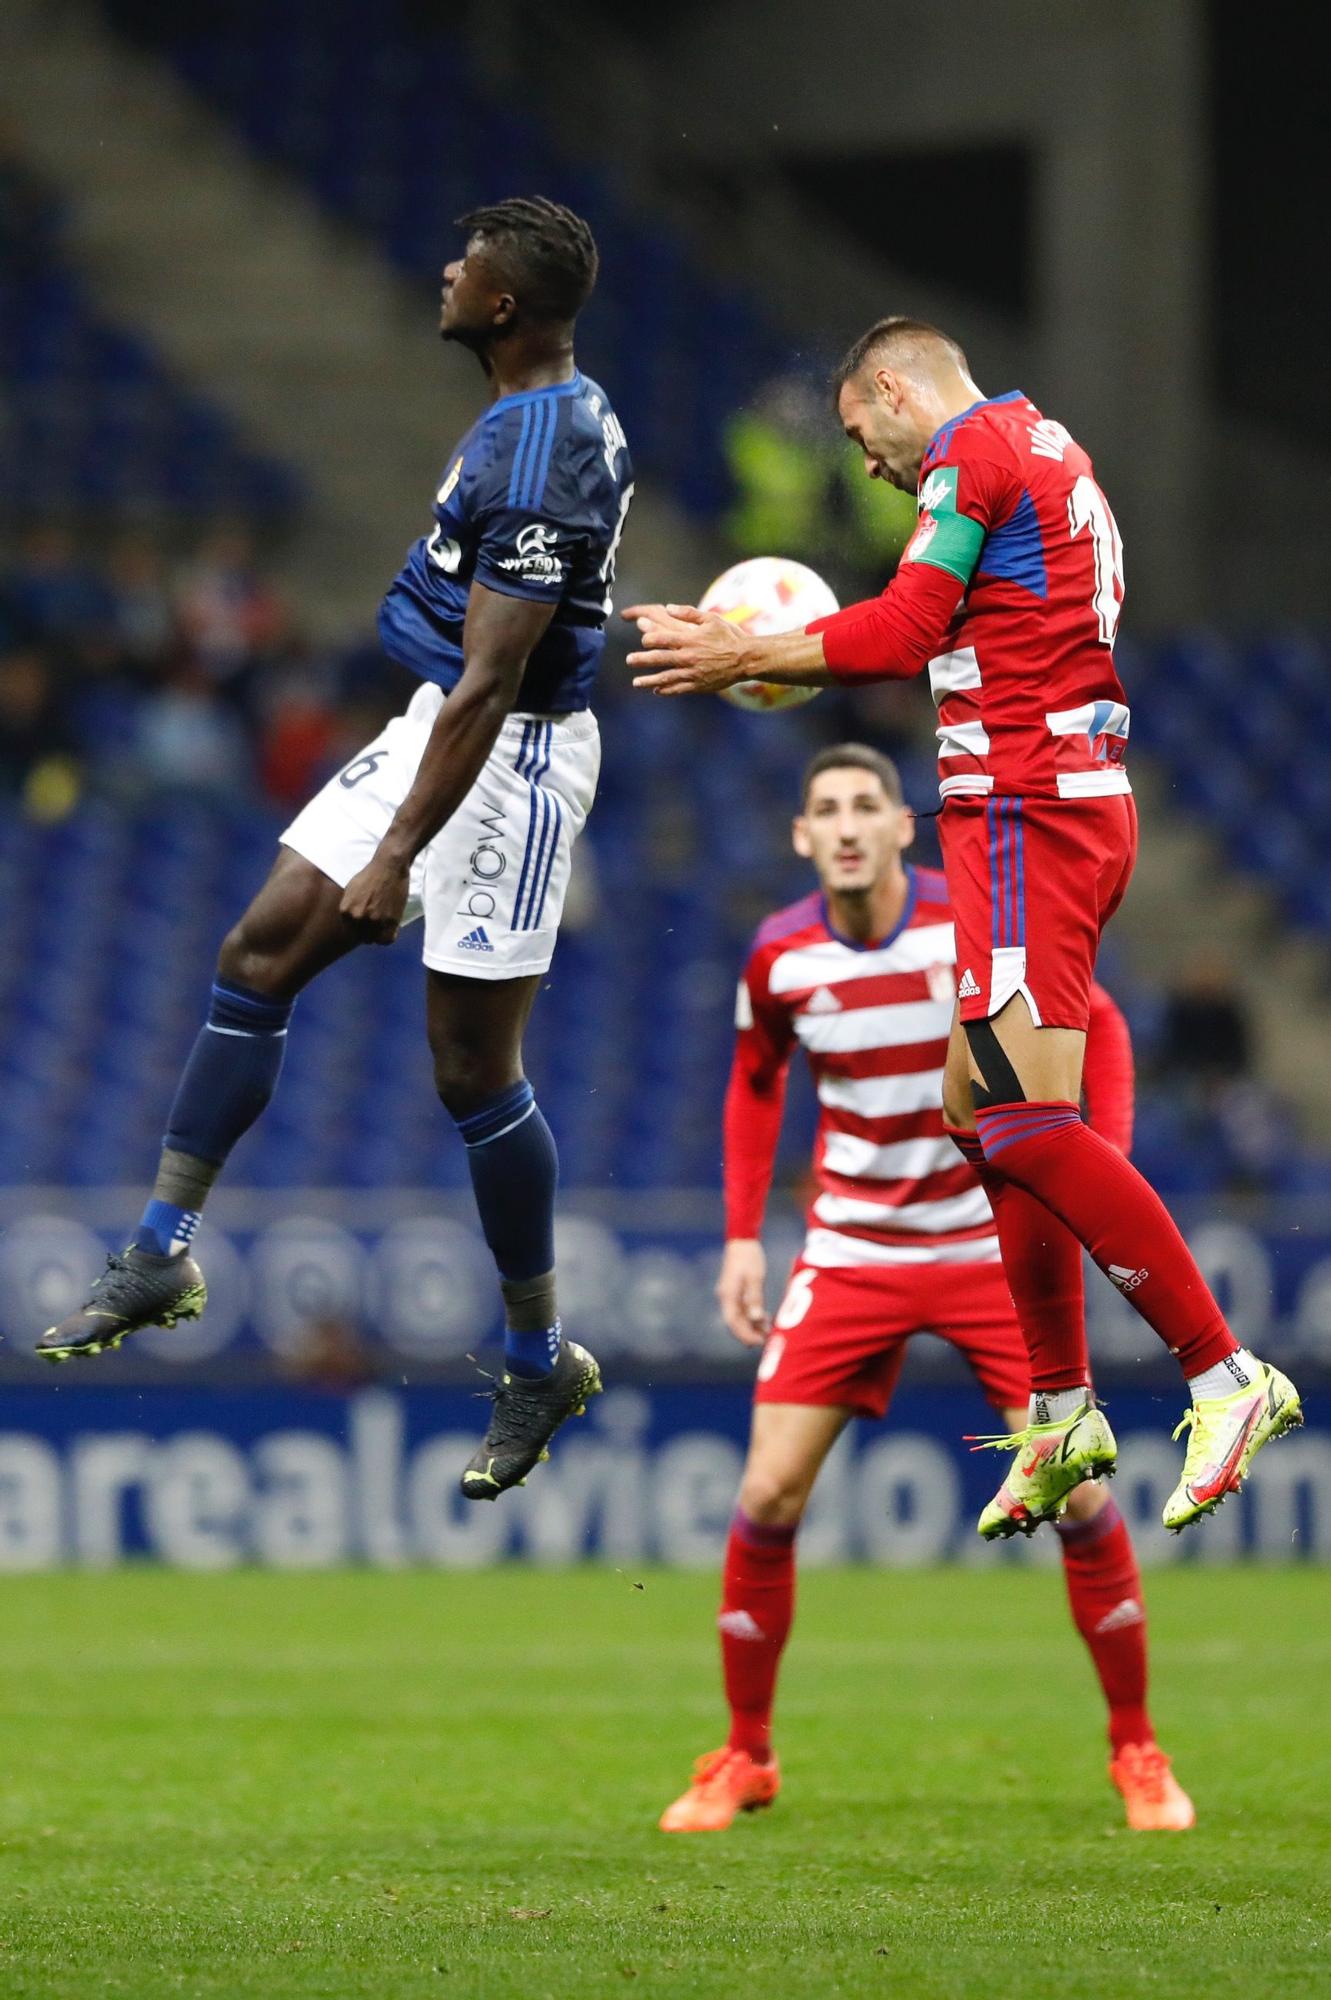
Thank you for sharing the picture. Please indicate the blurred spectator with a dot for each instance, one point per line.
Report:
(56, 590)
(332, 1356)
(189, 741)
(300, 741)
(801, 490)
(228, 614)
(1206, 1061)
(35, 761)
(779, 449)
(142, 619)
(1205, 1032)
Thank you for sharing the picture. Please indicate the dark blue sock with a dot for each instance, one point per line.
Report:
(515, 1173)
(231, 1073)
(531, 1353)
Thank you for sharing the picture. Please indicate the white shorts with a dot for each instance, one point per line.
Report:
(491, 883)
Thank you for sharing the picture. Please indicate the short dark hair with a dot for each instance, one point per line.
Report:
(853, 757)
(896, 330)
(547, 252)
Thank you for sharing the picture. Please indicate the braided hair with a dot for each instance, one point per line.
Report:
(547, 253)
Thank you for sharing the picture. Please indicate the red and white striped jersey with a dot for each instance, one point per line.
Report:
(873, 1021)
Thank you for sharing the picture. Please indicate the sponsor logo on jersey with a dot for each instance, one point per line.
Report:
(939, 490)
(475, 940)
(969, 989)
(533, 560)
(488, 863)
(1126, 1278)
(822, 1002)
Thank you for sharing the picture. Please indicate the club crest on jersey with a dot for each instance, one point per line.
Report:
(533, 560)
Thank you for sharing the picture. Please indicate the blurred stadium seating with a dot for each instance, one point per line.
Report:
(401, 159)
(90, 419)
(1229, 719)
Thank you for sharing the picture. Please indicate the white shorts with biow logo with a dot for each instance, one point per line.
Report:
(491, 883)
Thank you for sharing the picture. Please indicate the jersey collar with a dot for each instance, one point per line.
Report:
(513, 402)
(945, 430)
(877, 944)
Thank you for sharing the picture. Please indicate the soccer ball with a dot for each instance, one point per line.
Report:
(764, 595)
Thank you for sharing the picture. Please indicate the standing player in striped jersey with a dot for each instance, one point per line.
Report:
(901, 1240)
(1010, 592)
(462, 812)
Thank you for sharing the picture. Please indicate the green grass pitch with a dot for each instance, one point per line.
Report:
(400, 1785)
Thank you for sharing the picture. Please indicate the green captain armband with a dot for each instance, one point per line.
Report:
(945, 539)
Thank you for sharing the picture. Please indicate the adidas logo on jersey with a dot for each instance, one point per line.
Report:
(475, 940)
(822, 1002)
(1126, 1278)
(969, 989)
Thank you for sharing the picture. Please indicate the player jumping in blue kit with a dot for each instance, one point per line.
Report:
(463, 811)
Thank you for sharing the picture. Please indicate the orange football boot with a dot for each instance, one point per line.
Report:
(1156, 1801)
(725, 1782)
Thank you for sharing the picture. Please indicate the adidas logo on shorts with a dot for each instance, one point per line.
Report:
(475, 940)
(969, 988)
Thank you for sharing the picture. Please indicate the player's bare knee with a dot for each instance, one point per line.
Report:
(245, 958)
(774, 1494)
(467, 1077)
(1087, 1500)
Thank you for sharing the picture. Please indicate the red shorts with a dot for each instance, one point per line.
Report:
(840, 1336)
(1032, 883)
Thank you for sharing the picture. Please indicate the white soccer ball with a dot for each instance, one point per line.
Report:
(763, 595)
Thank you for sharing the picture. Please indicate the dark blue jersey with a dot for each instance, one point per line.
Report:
(532, 505)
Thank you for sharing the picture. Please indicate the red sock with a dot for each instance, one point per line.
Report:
(1105, 1593)
(1042, 1264)
(757, 1606)
(1118, 1216)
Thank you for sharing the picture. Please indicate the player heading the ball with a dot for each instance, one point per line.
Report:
(1009, 593)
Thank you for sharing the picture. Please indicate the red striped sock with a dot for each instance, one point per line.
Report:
(757, 1607)
(1048, 1150)
(1105, 1593)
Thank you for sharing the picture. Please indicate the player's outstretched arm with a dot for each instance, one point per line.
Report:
(687, 651)
(499, 634)
(891, 637)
